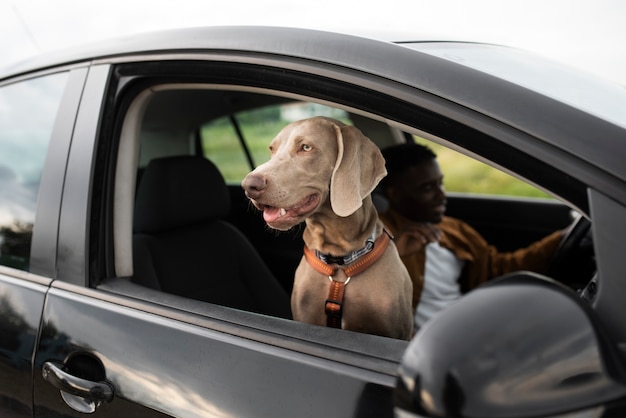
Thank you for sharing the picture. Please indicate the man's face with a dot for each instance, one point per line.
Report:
(419, 194)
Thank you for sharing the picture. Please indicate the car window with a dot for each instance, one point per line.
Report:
(172, 253)
(225, 140)
(463, 174)
(27, 113)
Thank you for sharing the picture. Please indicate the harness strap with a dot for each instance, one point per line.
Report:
(365, 262)
(359, 266)
(334, 303)
(317, 264)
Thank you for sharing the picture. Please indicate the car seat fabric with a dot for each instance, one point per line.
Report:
(181, 244)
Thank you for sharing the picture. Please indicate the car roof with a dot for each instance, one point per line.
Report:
(294, 42)
(591, 136)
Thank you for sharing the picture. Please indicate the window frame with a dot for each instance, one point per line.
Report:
(129, 79)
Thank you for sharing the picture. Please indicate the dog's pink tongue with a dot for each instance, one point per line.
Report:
(270, 214)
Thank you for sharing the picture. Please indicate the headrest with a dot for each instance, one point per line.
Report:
(179, 191)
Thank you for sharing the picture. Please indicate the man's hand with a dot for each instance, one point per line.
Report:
(414, 237)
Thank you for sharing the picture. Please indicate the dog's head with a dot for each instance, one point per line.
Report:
(314, 161)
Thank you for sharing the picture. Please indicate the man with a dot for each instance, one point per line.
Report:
(445, 257)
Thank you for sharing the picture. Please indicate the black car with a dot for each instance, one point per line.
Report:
(92, 322)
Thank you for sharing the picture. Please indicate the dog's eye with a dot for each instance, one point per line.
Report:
(306, 147)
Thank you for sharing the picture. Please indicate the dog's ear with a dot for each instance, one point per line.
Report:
(359, 168)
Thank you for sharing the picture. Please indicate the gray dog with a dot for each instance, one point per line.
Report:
(322, 171)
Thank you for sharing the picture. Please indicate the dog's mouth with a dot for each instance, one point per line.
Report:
(273, 214)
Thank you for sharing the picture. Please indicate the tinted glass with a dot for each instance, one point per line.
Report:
(27, 113)
(466, 175)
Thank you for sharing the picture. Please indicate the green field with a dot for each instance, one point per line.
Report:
(464, 174)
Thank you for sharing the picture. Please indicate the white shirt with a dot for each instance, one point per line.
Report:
(441, 286)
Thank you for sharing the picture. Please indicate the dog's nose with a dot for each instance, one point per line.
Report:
(254, 185)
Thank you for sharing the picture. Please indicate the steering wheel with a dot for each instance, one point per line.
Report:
(573, 249)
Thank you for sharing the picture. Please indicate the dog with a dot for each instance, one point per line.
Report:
(322, 171)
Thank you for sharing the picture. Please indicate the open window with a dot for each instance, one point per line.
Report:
(232, 125)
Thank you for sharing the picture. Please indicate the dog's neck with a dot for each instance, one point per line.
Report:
(329, 233)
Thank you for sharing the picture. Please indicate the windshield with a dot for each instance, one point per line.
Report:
(593, 95)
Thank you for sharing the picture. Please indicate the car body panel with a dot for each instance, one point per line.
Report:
(607, 233)
(191, 369)
(74, 219)
(21, 305)
(45, 237)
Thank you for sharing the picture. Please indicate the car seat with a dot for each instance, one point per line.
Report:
(182, 245)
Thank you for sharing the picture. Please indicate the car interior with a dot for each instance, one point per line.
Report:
(180, 236)
(194, 234)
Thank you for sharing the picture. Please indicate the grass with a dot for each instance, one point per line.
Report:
(222, 146)
(464, 174)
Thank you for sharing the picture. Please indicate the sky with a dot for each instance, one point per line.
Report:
(586, 34)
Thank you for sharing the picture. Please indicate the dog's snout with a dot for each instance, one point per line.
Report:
(254, 185)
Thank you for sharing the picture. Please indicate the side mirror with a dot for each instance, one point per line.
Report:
(520, 346)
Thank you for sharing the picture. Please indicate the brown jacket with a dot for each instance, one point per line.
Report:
(482, 261)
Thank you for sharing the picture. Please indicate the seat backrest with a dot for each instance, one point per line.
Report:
(181, 244)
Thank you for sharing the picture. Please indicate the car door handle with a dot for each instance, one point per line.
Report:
(66, 382)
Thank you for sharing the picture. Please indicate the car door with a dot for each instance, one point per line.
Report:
(37, 116)
(115, 348)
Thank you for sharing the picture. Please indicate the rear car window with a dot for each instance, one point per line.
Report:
(27, 113)
(239, 142)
